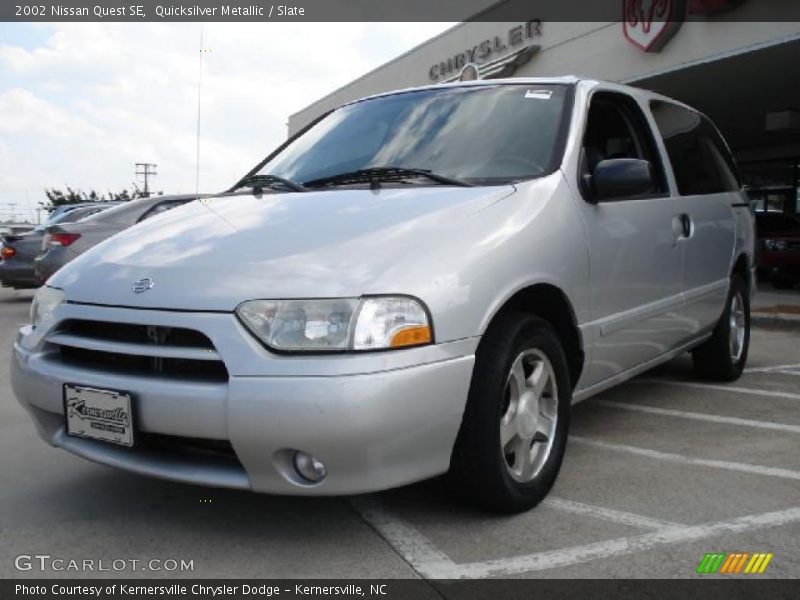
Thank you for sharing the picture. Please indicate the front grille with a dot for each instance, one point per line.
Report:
(158, 351)
(136, 334)
(186, 446)
(132, 364)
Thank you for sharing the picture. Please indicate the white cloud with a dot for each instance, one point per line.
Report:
(93, 99)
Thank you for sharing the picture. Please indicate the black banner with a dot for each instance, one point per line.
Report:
(416, 589)
(391, 10)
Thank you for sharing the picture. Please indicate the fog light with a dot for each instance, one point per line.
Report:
(309, 467)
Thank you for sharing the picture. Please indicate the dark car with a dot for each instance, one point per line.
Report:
(779, 248)
(19, 251)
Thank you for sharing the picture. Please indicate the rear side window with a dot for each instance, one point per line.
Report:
(700, 159)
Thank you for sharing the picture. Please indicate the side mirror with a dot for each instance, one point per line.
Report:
(621, 178)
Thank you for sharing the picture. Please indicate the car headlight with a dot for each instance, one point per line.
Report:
(338, 324)
(45, 301)
(773, 245)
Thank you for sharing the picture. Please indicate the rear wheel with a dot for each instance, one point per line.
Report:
(724, 355)
(514, 431)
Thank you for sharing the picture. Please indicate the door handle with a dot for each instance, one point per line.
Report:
(681, 226)
(686, 225)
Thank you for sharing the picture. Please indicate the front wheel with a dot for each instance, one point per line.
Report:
(514, 431)
(724, 355)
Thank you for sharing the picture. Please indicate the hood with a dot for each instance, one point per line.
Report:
(216, 253)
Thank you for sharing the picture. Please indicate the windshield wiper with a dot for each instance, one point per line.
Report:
(374, 175)
(259, 182)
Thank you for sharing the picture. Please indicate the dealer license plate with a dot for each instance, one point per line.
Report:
(97, 414)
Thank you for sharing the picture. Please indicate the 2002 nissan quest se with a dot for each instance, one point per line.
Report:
(420, 283)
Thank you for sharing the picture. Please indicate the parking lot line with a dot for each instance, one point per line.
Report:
(786, 372)
(698, 416)
(431, 563)
(772, 368)
(722, 388)
(616, 547)
(407, 541)
(688, 460)
(608, 514)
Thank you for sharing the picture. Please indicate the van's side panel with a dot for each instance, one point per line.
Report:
(705, 188)
(636, 271)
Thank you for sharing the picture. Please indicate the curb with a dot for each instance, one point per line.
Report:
(780, 320)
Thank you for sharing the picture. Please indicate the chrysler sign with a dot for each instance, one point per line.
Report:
(505, 51)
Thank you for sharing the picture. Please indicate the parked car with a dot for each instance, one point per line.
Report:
(779, 248)
(63, 208)
(421, 283)
(65, 241)
(19, 251)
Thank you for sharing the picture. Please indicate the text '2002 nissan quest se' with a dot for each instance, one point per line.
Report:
(420, 283)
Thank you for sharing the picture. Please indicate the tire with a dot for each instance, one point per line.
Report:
(506, 479)
(724, 355)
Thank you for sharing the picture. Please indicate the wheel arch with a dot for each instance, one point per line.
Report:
(550, 303)
(741, 266)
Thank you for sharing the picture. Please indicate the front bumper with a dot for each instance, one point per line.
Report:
(376, 421)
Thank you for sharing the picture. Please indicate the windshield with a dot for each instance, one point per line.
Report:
(483, 134)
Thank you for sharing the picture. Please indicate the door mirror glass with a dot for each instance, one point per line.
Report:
(618, 178)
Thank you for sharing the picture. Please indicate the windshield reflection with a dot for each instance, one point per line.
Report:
(484, 134)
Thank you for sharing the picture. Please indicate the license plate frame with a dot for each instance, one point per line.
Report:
(99, 414)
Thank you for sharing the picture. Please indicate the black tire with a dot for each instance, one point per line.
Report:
(715, 358)
(480, 473)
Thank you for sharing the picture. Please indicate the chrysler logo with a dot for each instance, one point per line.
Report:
(142, 285)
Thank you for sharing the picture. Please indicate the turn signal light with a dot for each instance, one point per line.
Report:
(63, 239)
(7, 252)
(411, 336)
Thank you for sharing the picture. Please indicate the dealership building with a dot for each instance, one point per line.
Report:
(719, 56)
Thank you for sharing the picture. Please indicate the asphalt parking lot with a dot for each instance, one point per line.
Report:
(659, 472)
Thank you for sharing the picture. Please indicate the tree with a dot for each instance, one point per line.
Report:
(57, 197)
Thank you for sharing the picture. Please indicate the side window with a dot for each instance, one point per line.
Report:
(617, 128)
(700, 159)
(160, 208)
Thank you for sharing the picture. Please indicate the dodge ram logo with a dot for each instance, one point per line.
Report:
(142, 285)
(650, 24)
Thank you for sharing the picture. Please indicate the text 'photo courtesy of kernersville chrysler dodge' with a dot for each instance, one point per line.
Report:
(400, 301)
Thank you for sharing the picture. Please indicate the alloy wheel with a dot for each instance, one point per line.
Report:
(738, 326)
(529, 416)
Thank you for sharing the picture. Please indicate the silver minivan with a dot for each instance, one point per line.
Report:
(421, 283)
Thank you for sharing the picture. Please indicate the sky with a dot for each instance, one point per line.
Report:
(80, 103)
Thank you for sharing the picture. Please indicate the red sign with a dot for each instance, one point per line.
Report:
(650, 24)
